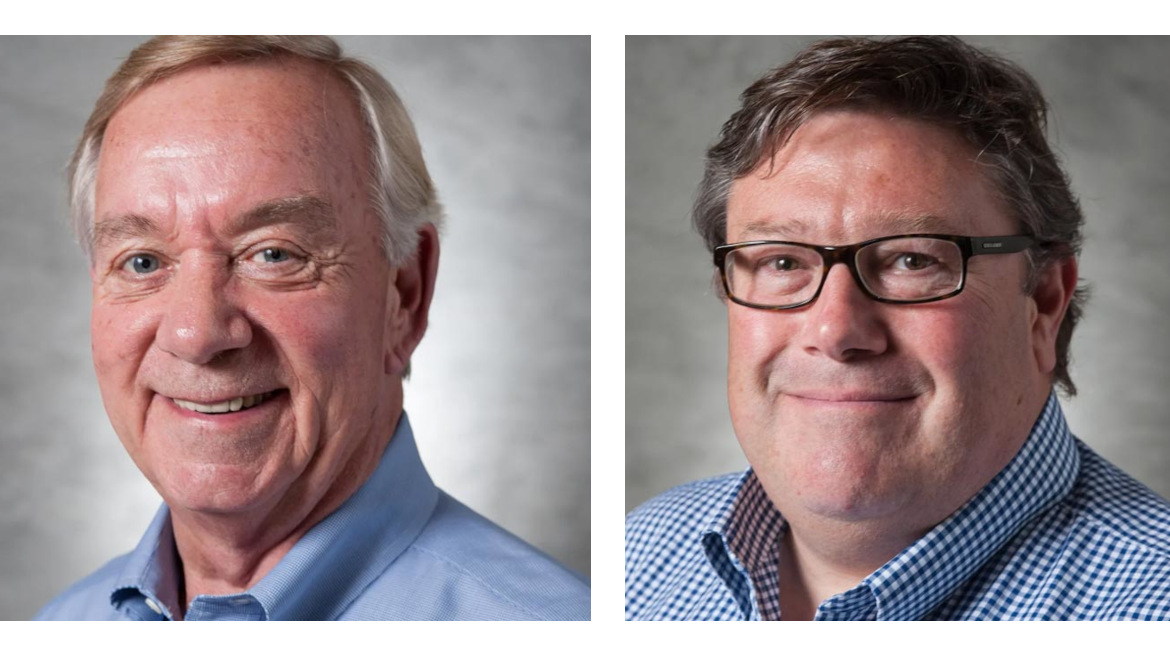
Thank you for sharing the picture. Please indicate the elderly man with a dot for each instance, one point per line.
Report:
(897, 244)
(261, 229)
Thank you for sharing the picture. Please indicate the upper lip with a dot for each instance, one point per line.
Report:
(835, 395)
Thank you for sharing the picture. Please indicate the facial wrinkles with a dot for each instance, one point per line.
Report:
(187, 201)
(218, 134)
(182, 150)
(324, 416)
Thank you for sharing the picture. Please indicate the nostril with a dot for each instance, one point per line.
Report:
(202, 328)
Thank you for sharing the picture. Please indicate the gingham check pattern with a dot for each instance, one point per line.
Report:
(1060, 533)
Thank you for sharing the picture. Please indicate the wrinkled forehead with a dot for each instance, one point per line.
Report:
(288, 105)
(847, 175)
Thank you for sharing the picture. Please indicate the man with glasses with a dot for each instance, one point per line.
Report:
(897, 244)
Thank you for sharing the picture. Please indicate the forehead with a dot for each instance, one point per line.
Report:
(287, 117)
(847, 176)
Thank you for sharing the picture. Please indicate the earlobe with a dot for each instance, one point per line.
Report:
(391, 365)
(408, 302)
(1054, 291)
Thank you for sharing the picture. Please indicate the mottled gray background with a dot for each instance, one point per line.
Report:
(1110, 123)
(499, 398)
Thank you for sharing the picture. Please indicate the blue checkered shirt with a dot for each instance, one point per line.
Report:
(1060, 533)
(399, 548)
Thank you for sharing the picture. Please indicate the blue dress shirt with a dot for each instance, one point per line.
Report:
(1060, 533)
(399, 548)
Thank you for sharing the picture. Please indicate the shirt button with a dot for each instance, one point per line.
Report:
(153, 606)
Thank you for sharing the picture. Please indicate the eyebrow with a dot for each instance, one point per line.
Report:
(897, 223)
(122, 227)
(764, 229)
(314, 214)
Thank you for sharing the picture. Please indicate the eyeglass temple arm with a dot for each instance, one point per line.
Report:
(1009, 244)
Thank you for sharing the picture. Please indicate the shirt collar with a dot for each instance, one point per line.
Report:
(738, 537)
(742, 534)
(331, 564)
(150, 571)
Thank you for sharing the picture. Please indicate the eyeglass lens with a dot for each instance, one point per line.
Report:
(899, 269)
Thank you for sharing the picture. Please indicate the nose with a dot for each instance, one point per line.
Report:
(843, 324)
(200, 320)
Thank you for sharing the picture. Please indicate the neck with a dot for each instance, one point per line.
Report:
(820, 560)
(227, 553)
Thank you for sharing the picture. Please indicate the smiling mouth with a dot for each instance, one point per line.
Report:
(227, 406)
(846, 398)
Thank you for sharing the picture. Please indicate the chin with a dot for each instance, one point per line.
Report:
(842, 484)
(214, 489)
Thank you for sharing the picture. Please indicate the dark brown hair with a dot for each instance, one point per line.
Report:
(992, 103)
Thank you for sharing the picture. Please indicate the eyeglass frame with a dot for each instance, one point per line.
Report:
(969, 246)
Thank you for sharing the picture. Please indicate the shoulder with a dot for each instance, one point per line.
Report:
(1120, 505)
(1116, 540)
(463, 566)
(665, 557)
(88, 599)
(677, 513)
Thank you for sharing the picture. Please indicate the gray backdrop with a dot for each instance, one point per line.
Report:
(1110, 101)
(499, 398)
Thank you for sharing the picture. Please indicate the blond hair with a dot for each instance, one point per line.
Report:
(401, 191)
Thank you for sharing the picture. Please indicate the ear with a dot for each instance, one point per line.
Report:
(1054, 290)
(408, 302)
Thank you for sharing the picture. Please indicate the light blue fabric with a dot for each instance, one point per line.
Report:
(399, 548)
(1059, 533)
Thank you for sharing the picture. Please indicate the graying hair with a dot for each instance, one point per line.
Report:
(992, 103)
(401, 191)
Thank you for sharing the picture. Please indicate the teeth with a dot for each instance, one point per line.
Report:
(226, 406)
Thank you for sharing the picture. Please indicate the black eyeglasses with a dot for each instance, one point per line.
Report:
(898, 269)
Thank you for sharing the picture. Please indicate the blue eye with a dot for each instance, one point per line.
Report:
(142, 263)
(274, 255)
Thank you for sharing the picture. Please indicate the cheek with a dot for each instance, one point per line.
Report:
(120, 339)
(755, 337)
(969, 349)
(328, 340)
(937, 339)
(120, 336)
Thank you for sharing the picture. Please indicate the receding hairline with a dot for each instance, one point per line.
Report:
(316, 77)
(309, 209)
(400, 188)
(317, 72)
